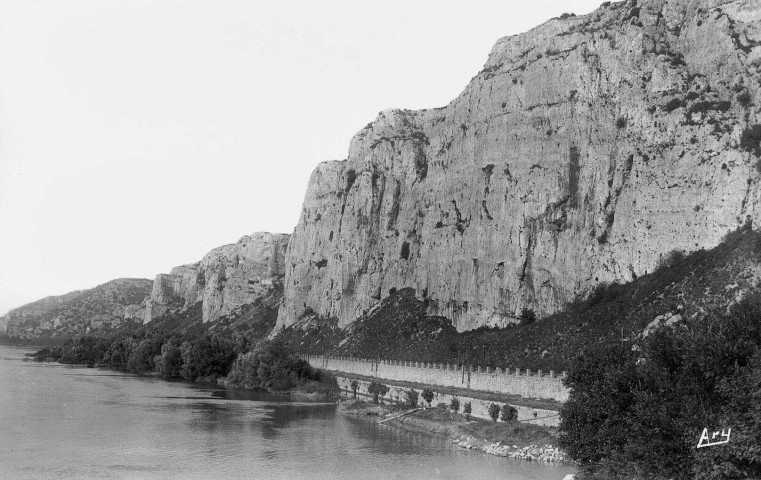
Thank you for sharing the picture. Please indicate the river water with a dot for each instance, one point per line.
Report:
(59, 421)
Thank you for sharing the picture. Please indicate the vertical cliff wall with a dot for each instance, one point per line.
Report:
(584, 151)
(225, 279)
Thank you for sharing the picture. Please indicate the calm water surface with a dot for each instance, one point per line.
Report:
(60, 421)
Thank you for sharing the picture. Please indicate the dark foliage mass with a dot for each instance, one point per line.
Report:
(207, 356)
(427, 396)
(377, 390)
(271, 365)
(639, 412)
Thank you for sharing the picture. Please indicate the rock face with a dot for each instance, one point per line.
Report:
(225, 279)
(97, 310)
(583, 152)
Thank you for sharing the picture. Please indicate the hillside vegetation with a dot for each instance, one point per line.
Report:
(99, 310)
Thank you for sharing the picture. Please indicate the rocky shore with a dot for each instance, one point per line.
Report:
(537, 453)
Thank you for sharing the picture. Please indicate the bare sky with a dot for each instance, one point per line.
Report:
(137, 135)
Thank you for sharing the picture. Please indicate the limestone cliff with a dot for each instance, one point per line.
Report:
(226, 279)
(584, 151)
(98, 310)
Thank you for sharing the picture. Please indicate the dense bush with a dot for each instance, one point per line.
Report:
(527, 316)
(169, 362)
(207, 357)
(427, 396)
(466, 409)
(141, 357)
(412, 397)
(642, 413)
(376, 389)
(454, 404)
(87, 350)
(270, 366)
(509, 413)
(494, 411)
(750, 140)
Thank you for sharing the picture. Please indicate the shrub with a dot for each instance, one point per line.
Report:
(620, 123)
(671, 259)
(750, 140)
(527, 316)
(509, 413)
(207, 356)
(270, 366)
(405, 253)
(141, 359)
(412, 397)
(467, 410)
(376, 389)
(454, 404)
(744, 98)
(494, 411)
(441, 405)
(673, 104)
(427, 396)
(354, 387)
(681, 381)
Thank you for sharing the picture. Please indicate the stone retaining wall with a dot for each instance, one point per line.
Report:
(479, 408)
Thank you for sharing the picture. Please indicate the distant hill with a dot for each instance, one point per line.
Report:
(98, 310)
(682, 287)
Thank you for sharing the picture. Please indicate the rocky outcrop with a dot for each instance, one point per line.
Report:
(99, 310)
(583, 152)
(226, 279)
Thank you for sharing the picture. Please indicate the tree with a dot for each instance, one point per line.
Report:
(494, 411)
(527, 316)
(207, 356)
(643, 411)
(466, 409)
(169, 362)
(595, 418)
(509, 413)
(376, 390)
(141, 358)
(427, 396)
(412, 397)
(354, 387)
(270, 366)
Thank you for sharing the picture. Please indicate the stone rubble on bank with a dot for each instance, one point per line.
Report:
(544, 453)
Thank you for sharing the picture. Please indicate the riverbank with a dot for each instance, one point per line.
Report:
(309, 391)
(505, 439)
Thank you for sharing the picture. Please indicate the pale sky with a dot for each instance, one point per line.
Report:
(138, 135)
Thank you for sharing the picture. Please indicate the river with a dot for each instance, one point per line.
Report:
(60, 421)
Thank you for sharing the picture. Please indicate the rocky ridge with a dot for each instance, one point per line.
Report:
(583, 152)
(97, 310)
(226, 279)
(239, 284)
